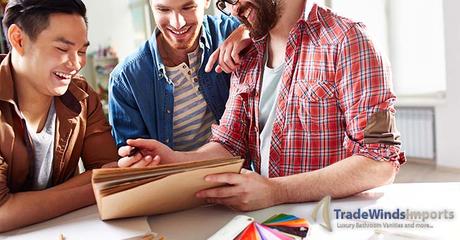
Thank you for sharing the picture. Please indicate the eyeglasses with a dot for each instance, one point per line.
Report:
(222, 5)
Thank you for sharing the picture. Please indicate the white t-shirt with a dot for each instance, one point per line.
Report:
(43, 144)
(267, 111)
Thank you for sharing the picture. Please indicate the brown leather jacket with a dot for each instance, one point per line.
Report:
(81, 131)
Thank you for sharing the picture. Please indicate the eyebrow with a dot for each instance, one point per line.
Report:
(185, 4)
(68, 42)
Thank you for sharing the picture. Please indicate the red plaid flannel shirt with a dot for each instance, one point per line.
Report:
(334, 83)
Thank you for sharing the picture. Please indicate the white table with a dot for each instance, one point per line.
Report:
(200, 223)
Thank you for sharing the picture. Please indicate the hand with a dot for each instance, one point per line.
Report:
(151, 153)
(247, 191)
(229, 51)
(110, 165)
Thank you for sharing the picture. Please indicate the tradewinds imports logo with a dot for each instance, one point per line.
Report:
(378, 218)
(324, 204)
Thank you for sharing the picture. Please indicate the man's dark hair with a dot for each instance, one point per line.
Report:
(32, 16)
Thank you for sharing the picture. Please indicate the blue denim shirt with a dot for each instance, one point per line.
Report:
(141, 98)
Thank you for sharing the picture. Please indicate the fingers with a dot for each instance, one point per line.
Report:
(144, 162)
(236, 53)
(128, 161)
(219, 69)
(219, 192)
(141, 143)
(225, 56)
(212, 60)
(225, 59)
(229, 178)
(124, 151)
(139, 162)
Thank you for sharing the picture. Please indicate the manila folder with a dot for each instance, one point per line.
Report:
(130, 192)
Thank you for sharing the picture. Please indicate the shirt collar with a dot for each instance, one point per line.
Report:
(310, 7)
(7, 90)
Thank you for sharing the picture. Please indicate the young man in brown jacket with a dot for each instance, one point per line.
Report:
(49, 116)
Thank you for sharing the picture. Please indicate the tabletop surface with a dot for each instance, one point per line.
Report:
(202, 222)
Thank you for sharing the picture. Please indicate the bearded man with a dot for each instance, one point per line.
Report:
(311, 108)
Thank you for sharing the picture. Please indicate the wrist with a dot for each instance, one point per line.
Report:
(179, 156)
(279, 191)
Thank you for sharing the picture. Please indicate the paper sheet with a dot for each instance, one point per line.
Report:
(82, 224)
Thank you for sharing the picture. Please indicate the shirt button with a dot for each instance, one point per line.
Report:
(189, 73)
(168, 111)
(195, 79)
(167, 140)
(160, 75)
(184, 67)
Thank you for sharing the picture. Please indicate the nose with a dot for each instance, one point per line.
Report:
(177, 20)
(74, 62)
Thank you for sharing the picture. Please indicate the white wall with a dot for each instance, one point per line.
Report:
(110, 23)
(448, 114)
(417, 46)
(371, 13)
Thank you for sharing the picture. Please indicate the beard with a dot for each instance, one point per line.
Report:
(267, 15)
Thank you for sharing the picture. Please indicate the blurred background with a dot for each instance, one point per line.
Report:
(420, 37)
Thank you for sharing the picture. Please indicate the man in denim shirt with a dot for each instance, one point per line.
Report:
(162, 91)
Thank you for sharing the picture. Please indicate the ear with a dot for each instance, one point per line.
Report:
(16, 36)
(207, 3)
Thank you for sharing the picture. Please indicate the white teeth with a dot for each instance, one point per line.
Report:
(63, 75)
(179, 32)
(248, 13)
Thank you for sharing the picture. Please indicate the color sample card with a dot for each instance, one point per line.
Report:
(278, 227)
(289, 224)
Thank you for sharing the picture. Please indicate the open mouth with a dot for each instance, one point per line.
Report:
(63, 76)
(246, 15)
(181, 32)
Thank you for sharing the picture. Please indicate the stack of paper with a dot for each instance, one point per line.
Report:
(128, 192)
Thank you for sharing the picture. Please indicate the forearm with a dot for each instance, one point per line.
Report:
(77, 181)
(211, 150)
(344, 178)
(39, 206)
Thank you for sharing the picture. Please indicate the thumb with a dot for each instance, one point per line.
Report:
(140, 143)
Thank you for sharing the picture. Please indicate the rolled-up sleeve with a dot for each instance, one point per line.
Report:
(366, 96)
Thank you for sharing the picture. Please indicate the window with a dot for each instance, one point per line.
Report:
(411, 34)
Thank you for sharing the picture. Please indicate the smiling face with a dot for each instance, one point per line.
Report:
(51, 60)
(259, 16)
(179, 21)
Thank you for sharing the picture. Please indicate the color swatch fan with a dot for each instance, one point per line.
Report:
(278, 227)
(289, 224)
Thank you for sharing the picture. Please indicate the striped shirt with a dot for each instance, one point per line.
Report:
(335, 100)
(192, 118)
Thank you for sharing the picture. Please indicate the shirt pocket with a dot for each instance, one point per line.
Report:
(317, 105)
